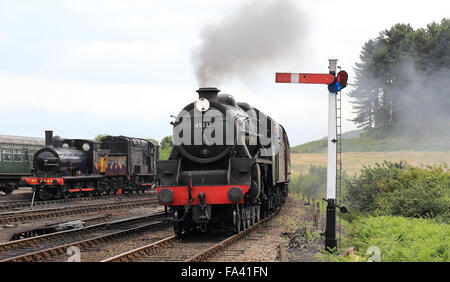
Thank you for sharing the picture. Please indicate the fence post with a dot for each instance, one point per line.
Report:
(307, 234)
(317, 215)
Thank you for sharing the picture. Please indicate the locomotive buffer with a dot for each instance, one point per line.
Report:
(335, 84)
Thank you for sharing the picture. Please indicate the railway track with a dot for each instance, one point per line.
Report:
(55, 244)
(26, 215)
(14, 205)
(188, 250)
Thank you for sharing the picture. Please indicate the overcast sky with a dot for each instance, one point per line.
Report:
(82, 68)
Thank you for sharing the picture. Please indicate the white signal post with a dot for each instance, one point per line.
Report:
(331, 166)
(330, 231)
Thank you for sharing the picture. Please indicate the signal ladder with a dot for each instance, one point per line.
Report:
(338, 98)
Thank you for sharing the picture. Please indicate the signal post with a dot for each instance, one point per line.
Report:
(330, 230)
(335, 83)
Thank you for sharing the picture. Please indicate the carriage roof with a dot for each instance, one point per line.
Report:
(21, 140)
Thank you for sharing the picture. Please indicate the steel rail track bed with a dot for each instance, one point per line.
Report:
(19, 216)
(9, 205)
(168, 242)
(42, 247)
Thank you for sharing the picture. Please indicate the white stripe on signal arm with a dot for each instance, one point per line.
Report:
(295, 78)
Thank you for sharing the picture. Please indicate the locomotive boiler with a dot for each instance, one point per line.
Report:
(66, 157)
(230, 165)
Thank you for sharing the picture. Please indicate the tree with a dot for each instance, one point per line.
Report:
(165, 147)
(402, 78)
(167, 142)
(100, 136)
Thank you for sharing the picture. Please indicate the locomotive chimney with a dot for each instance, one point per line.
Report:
(48, 138)
(208, 93)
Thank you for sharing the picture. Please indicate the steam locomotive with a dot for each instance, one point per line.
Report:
(229, 166)
(77, 167)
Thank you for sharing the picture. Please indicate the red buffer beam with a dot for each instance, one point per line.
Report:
(315, 78)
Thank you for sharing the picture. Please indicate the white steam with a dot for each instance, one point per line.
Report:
(257, 34)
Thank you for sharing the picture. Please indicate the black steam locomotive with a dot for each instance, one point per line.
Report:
(229, 167)
(77, 167)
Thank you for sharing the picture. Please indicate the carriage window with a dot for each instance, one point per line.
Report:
(25, 154)
(7, 154)
(31, 154)
(17, 155)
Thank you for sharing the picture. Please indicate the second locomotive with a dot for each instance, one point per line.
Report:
(76, 167)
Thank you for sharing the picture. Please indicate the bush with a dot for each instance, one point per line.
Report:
(312, 184)
(401, 189)
(415, 201)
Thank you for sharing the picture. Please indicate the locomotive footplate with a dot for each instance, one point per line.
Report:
(189, 195)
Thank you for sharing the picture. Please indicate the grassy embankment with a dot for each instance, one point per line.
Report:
(394, 230)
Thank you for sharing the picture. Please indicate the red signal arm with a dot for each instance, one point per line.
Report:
(314, 78)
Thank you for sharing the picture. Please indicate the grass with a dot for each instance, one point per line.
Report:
(402, 239)
(353, 161)
(394, 239)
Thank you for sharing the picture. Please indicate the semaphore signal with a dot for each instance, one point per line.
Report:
(335, 84)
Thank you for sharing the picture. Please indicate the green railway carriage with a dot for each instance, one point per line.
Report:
(16, 159)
